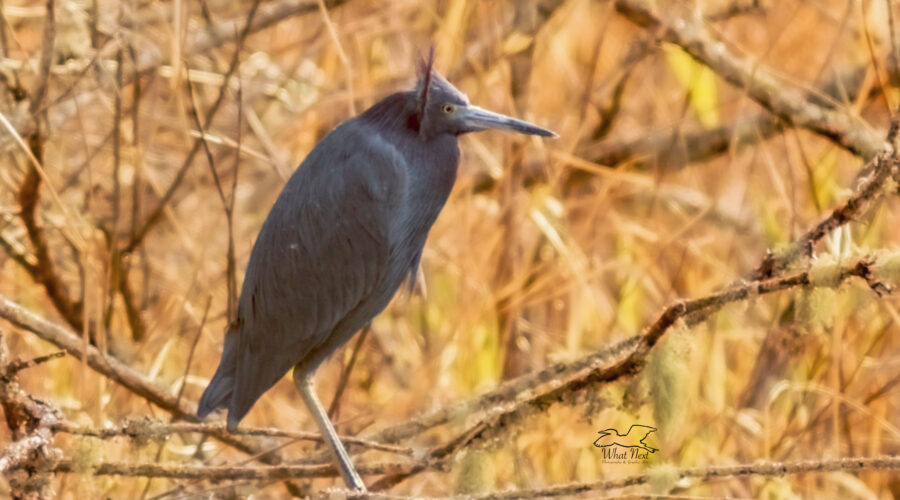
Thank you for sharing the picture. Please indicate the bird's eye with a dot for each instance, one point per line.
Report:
(448, 108)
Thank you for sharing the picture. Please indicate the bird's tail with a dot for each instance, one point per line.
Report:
(218, 392)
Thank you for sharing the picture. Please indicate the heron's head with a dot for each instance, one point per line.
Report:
(443, 109)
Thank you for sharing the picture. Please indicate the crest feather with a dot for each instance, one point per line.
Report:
(426, 72)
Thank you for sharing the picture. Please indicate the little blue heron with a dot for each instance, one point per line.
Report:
(343, 235)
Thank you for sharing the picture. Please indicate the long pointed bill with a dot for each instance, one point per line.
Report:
(479, 118)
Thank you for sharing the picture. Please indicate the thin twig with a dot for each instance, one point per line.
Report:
(345, 373)
(18, 365)
(201, 129)
(190, 358)
(156, 214)
(47, 49)
(231, 264)
(18, 257)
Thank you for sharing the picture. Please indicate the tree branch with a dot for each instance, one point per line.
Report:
(109, 367)
(144, 428)
(781, 97)
(44, 271)
(872, 188)
(709, 473)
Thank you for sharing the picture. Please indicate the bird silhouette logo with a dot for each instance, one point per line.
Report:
(634, 438)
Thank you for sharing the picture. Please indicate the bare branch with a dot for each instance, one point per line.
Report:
(703, 474)
(44, 271)
(144, 428)
(673, 149)
(110, 367)
(190, 358)
(16, 366)
(879, 170)
(709, 473)
(223, 472)
(778, 95)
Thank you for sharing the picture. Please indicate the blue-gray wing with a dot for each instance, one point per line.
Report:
(324, 248)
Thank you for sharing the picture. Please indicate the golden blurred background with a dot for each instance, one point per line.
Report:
(668, 181)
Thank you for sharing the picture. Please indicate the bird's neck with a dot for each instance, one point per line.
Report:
(432, 160)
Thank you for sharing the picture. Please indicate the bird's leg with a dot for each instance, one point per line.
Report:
(304, 382)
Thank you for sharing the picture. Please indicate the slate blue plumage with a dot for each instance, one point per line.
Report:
(346, 231)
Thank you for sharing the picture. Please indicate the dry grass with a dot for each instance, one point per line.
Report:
(542, 255)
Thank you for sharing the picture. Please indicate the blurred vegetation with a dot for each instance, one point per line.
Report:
(546, 251)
